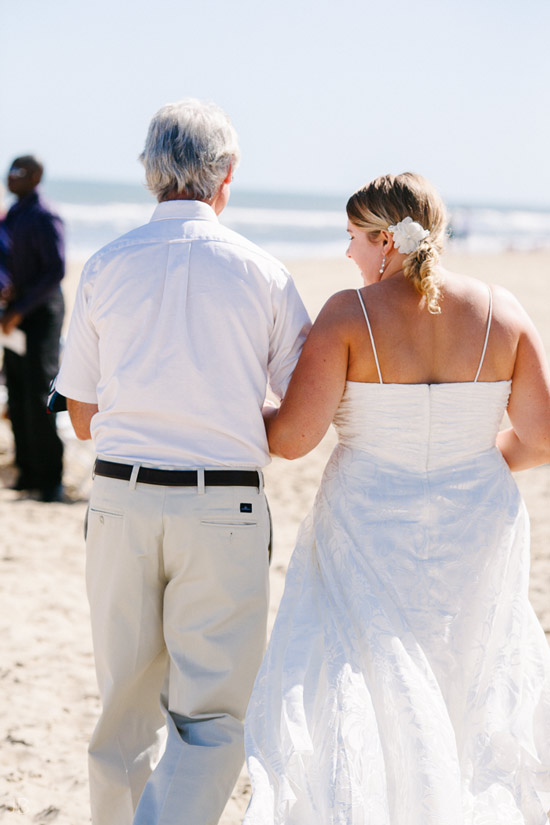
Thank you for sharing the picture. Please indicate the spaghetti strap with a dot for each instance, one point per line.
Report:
(489, 318)
(371, 335)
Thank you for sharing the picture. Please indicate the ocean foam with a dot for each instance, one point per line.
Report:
(287, 226)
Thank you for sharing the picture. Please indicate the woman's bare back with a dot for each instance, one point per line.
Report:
(416, 347)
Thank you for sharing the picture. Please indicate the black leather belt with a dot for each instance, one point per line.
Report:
(178, 478)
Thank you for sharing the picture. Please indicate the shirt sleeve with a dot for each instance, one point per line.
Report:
(5, 279)
(49, 245)
(290, 329)
(79, 373)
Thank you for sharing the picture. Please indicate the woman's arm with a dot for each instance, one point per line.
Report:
(527, 443)
(316, 386)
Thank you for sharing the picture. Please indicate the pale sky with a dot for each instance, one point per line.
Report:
(324, 95)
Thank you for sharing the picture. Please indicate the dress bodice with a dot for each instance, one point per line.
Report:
(421, 426)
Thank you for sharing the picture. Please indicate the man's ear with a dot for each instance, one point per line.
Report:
(35, 176)
(229, 176)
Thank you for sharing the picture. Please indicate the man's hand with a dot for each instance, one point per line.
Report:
(11, 321)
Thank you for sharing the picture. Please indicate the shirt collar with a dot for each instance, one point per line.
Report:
(183, 209)
(28, 200)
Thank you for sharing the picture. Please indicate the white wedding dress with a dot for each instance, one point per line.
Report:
(407, 680)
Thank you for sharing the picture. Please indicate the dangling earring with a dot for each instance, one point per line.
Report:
(381, 270)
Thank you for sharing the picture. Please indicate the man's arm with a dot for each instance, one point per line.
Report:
(290, 330)
(81, 415)
(48, 242)
(79, 373)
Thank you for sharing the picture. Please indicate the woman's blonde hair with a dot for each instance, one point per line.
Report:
(388, 200)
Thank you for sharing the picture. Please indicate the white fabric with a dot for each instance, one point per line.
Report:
(178, 588)
(175, 327)
(407, 680)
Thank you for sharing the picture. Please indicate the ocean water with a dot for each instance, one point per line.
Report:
(290, 226)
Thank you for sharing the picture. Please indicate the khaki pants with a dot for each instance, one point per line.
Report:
(178, 586)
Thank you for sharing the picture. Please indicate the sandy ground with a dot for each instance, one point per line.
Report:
(49, 701)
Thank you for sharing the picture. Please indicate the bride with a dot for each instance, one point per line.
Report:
(407, 681)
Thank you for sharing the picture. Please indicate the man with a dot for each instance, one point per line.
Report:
(177, 329)
(36, 265)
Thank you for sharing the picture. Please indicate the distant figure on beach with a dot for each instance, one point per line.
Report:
(34, 304)
(407, 680)
(5, 280)
(177, 329)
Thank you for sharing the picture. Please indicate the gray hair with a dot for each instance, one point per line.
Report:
(189, 148)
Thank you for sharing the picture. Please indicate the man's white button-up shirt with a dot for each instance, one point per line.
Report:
(176, 330)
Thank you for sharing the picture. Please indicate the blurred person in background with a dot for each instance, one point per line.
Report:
(35, 263)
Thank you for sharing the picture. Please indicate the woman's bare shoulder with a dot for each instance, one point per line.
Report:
(507, 303)
(463, 286)
(474, 291)
(341, 305)
(343, 298)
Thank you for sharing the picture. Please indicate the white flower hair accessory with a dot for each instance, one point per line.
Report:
(407, 235)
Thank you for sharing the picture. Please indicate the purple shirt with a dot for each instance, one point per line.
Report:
(5, 279)
(36, 259)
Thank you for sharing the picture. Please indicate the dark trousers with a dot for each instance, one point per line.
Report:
(38, 448)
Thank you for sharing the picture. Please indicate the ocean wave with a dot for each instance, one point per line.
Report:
(312, 219)
(115, 214)
(307, 232)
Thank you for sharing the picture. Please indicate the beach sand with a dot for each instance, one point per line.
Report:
(49, 701)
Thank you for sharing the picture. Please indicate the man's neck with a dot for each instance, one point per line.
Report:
(27, 196)
(218, 202)
(176, 196)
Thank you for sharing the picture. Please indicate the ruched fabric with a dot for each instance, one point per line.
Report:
(407, 680)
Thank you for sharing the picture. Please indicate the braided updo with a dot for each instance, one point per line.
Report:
(388, 200)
